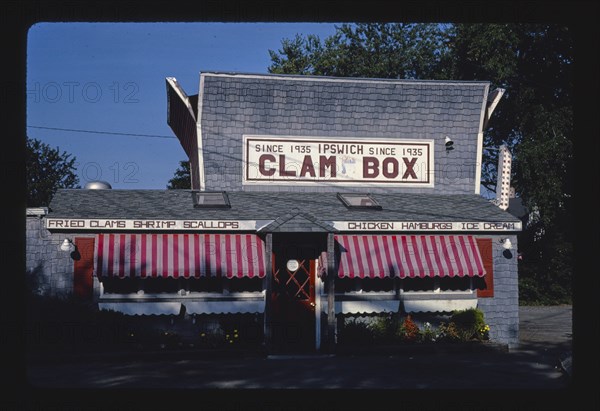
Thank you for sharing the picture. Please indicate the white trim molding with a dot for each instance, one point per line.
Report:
(37, 211)
(299, 77)
(201, 176)
(479, 158)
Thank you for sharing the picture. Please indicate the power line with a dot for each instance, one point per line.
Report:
(102, 132)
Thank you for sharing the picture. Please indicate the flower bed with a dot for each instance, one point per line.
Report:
(395, 329)
(72, 326)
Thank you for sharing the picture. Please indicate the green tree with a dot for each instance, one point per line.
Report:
(533, 63)
(367, 50)
(182, 177)
(47, 170)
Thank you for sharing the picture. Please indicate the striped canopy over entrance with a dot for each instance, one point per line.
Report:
(406, 256)
(179, 255)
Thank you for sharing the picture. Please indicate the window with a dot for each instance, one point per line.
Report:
(160, 285)
(418, 284)
(240, 285)
(426, 284)
(207, 199)
(438, 294)
(359, 201)
(170, 286)
(455, 284)
(363, 285)
(437, 284)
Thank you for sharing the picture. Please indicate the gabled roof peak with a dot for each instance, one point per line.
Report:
(296, 221)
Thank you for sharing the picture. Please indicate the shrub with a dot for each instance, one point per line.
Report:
(428, 333)
(169, 339)
(384, 328)
(71, 324)
(449, 332)
(469, 323)
(408, 330)
(212, 339)
(241, 330)
(355, 332)
(484, 332)
(232, 337)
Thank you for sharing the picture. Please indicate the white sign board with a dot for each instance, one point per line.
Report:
(415, 226)
(306, 160)
(101, 224)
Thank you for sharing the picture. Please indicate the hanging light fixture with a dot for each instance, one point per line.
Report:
(67, 245)
(506, 244)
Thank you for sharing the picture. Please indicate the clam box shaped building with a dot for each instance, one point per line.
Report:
(313, 198)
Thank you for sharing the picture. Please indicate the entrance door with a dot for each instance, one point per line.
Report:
(293, 298)
(83, 268)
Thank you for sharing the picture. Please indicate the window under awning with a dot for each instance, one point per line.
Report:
(179, 255)
(405, 256)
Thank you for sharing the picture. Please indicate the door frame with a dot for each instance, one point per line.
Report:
(309, 246)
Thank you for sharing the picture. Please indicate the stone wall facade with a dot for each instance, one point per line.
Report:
(50, 269)
(501, 311)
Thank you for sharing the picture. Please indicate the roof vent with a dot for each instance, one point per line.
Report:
(97, 185)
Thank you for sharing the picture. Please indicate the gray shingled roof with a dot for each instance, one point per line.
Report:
(314, 208)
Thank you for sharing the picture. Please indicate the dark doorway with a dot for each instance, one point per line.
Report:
(293, 293)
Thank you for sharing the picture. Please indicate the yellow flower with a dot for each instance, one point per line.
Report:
(202, 335)
(236, 336)
(230, 341)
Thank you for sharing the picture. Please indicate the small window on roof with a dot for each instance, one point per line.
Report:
(359, 201)
(210, 199)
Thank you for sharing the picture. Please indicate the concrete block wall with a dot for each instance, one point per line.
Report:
(501, 312)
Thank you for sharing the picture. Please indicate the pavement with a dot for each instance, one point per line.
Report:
(547, 331)
(540, 362)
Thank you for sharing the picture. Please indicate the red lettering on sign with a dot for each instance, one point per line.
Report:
(393, 173)
(409, 168)
(282, 170)
(327, 162)
(370, 167)
(261, 165)
(307, 167)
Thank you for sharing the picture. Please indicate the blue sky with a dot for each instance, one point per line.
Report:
(110, 77)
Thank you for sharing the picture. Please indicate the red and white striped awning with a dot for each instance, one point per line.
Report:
(378, 256)
(179, 255)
